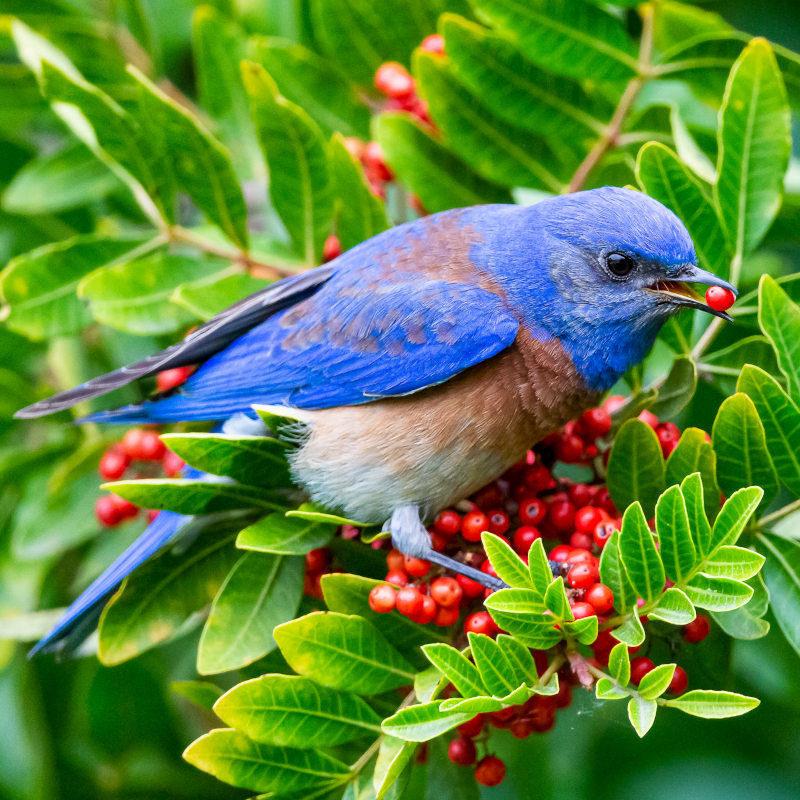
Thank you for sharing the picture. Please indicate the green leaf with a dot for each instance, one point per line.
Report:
(677, 390)
(206, 298)
(738, 563)
(556, 601)
(717, 594)
(619, 664)
(674, 607)
(157, 599)
(520, 612)
(781, 420)
(419, 723)
(394, 755)
(507, 564)
(277, 533)
(642, 714)
(431, 170)
(343, 652)
(201, 165)
(497, 673)
(712, 704)
(493, 147)
(614, 575)
(779, 318)
(569, 37)
(233, 758)
(202, 693)
(782, 575)
(747, 622)
(606, 689)
(39, 287)
(742, 455)
(457, 668)
(584, 630)
(428, 683)
(665, 177)
(726, 364)
(695, 454)
(733, 517)
(639, 555)
(630, 632)
(315, 84)
(290, 711)
(754, 147)
(677, 548)
(656, 682)
(185, 496)
(636, 467)
(310, 513)
(59, 181)
(520, 659)
(696, 505)
(134, 296)
(539, 567)
(260, 592)
(296, 154)
(360, 215)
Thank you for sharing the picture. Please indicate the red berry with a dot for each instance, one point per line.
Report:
(581, 540)
(588, 518)
(170, 378)
(434, 43)
(396, 577)
(382, 598)
(613, 402)
(491, 496)
(490, 771)
(469, 587)
(581, 494)
(438, 542)
(395, 560)
(446, 616)
(332, 248)
(393, 80)
(152, 513)
(471, 728)
(696, 630)
(640, 666)
(417, 567)
(113, 464)
(428, 612)
(581, 556)
(446, 592)
(668, 436)
(596, 422)
(537, 477)
(172, 464)
(719, 298)
(560, 553)
(569, 449)
(603, 500)
(583, 610)
(649, 418)
(603, 531)
(462, 752)
(317, 559)
(473, 525)
(480, 622)
(125, 509)
(498, 522)
(409, 601)
(600, 597)
(489, 569)
(131, 443)
(374, 163)
(679, 682)
(524, 537)
(106, 511)
(561, 516)
(532, 511)
(447, 522)
(521, 728)
(355, 147)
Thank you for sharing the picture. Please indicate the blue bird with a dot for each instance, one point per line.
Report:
(425, 361)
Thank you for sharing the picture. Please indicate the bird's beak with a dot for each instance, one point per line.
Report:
(681, 293)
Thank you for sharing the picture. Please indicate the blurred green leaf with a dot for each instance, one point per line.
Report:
(639, 555)
(202, 693)
(394, 755)
(277, 533)
(676, 390)
(747, 622)
(445, 780)
(779, 318)
(724, 366)
(206, 298)
(782, 576)
(713, 705)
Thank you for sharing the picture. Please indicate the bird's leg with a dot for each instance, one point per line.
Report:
(411, 538)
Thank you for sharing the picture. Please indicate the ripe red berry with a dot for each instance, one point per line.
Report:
(472, 727)
(581, 556)
(113, 464)
(596, 422)
(172, 464)
(649, 418)
(131, 443)
(393, 80)
(668, 436)
(588, 518)
(490, 496)
(581, 494)
(521, 728)
(489, 569)
(446, 592)
(332, 248)
(124, 508)
(447, 522)
(480, 622)
(382, 598)
(462, 752)
(433, 44)
(603, 500)
(469, 587)
(696, 630)
(396, 577)
(106, 511)
(374, 163)
(569, 448)
(524, 537)
(600, 597)
(679, 682)
(613, 402)
(473, 525)
(561, 515)
(409, 601)
(498, 522)
(317, 559)
(446, 616)
(719, 298)
(416, 567)
(582, 541)
(170, 378)
(582, 610)
(532, 511)
(640, 666)
(603, 531)
(490, 771)
(560, 553)
(395, 560)
(428, 611)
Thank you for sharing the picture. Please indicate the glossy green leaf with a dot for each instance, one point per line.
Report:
(296, 154)
(754, 147)
(419, 723)
(639, 554)
(39, 287)
(606, 689)
(343, 652)
(665, 177)
(614, 575)
(717, 594)
(642, 714)
(738, 563)
(584, 630)
(696, 505)
(619, 664)
(677, 389)
(713, 704)
(735, 514)
(202, 693)
(157, 599)
(431, 170)
(656, 682)
(779, 318)
(781, 420)
(556, 601)
(290, 711)
(457, 668)
(520, 612)
(207, 297)
(520, 659)
(394, 755)
(724, 366)
(742, 455)
(277, 533)
(630, 632)
(695, 454)
(782, 575)
(677, 548)
(636, 467)
(236, 759)
(674, 607)
(507, 564)
(200, 163)
(493, 147)
(570, 37)
(496, 671)
(539, 567)
(260, 592)
(747, 622)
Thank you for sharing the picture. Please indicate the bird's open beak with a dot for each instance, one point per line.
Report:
(681, 293)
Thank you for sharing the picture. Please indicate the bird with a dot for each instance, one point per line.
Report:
(423, 362)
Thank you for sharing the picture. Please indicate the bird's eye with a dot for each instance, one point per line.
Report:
(620, 264)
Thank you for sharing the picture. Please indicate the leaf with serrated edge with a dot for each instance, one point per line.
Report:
(738, 563)
(674, 537)
(458, 669)
(674, 607)
(656, 682)
(717, 594)
(619, 664)
(496, 672)
(710, 704)
(642, 714)
(507, 564)
(639, 555)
